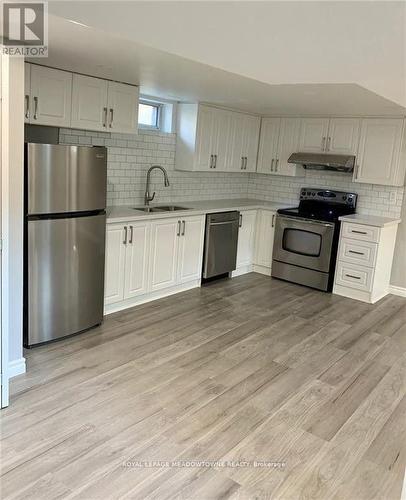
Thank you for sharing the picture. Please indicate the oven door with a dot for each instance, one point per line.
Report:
(303, 242)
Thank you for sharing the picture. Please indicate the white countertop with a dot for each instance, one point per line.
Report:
(127, 213)
(369, 220)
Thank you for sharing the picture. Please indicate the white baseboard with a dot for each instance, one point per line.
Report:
(149, 297)
(16, 367)
(397, 290)
(242, 270)
(261, 269)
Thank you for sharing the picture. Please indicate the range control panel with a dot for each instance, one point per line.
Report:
(329, 196)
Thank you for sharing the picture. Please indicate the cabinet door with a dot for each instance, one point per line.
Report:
(343, 136)
(136, 259)
(89, 103)
(115, 261)
(378, 160)
(268, 145)
(246, 235)
(191, 249)
(51, 94)
(288, 143)
(165, 235)
(313, 136)
(236, 143)
(264, 238)
(221, 140)
(206, 133)
(251, 125)
(27, 92)
(122, 108)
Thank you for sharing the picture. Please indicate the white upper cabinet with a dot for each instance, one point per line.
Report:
(89, 103)
(48, 101)
(268, 145)
(243, 145)
(122, 107)
(313, 136)
(343, 136)
(380, 159)
(27, 92)
(214, 139)
(288, 143)
(250, 138)
(279, 139)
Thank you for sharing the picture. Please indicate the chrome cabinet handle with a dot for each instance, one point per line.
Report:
(328, 143)
(273, 220)
(131, 235)
(183, 227)
(178, 231)
(273, 159)
(246, 161)
(356, 253)
(323, 144)
(27, 106)
(276, 164)
(242, 163)
(111, 118)
(35, 108)
(105, 117)
(211, 161)
(240, 221)
(352, 276)
(356, 171)
(358, 232)
(125, 236)
(215, 161)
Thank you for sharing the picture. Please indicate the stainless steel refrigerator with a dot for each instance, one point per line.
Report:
(64, 240)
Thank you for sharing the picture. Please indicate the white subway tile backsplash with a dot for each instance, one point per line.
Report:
(130, 156)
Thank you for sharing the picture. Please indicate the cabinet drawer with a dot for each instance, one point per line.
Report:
(354, 276)
(358, 252)
(360, 232)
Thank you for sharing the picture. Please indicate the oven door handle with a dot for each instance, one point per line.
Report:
(306, 221)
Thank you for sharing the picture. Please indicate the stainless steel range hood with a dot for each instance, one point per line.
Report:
(322, 161)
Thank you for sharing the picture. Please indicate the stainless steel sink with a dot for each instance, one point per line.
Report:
(162, 208)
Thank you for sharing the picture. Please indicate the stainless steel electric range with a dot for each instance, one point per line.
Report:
(306, 237)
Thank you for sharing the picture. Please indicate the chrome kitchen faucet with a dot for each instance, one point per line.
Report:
(148, 197)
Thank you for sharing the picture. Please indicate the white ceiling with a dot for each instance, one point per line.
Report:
(265, 57)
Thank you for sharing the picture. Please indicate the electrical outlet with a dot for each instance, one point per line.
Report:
(392, 197)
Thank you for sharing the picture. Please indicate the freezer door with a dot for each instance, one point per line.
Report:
(65, 272)
(61, 179)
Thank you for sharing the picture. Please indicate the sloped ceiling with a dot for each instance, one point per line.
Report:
(284, 57)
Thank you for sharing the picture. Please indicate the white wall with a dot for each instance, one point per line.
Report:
(12, 214)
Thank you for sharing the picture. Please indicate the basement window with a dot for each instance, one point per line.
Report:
(149, 114)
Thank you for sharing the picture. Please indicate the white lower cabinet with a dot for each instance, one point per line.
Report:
(115, 264)
(190, 254)
(246, 242)
(149, 259)
(164, 254)
(265, 232)
(136, 259)
(364, 260)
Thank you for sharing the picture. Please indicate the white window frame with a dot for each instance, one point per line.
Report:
(157, 104)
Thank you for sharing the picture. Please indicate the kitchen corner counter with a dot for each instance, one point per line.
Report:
(127, 213)
(369, 220)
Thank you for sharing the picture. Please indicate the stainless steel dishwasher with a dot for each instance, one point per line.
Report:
(220, 246)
